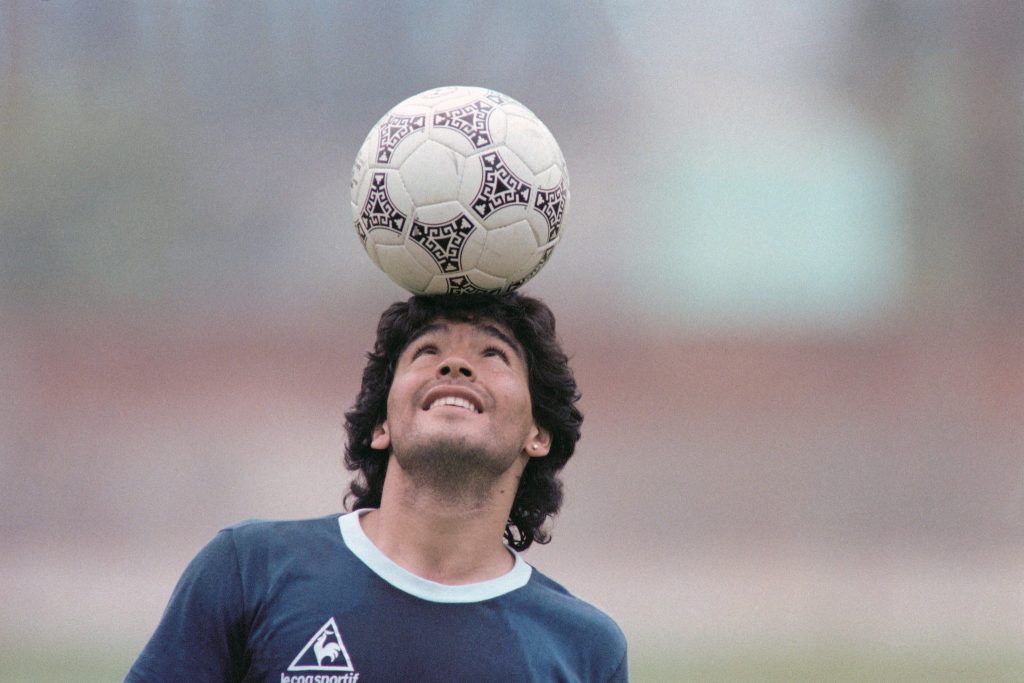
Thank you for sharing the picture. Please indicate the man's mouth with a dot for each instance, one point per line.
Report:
(453, 401)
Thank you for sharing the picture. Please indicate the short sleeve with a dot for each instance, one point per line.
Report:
(201, 635)
(621, 674)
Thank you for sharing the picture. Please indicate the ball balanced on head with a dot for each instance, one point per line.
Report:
(459, 190)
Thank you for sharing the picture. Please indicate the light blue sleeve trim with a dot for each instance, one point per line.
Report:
(359, 543)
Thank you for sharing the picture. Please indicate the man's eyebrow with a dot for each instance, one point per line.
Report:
(497, 333)
(426, 329)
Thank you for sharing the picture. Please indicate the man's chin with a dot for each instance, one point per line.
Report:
(451, 466)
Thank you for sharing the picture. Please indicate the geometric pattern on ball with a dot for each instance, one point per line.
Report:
(393, 131)
(499, 187)
(550, 202)
(470, 120)
(444, 241)
(461, 284)
(378, 210)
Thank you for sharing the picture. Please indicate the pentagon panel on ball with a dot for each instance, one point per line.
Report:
(459, 190)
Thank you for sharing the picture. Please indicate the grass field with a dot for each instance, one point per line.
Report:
(838, 666)
(34, 665)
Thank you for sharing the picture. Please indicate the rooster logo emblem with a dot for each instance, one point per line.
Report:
(325, 651)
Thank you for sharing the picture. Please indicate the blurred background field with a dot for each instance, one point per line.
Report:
(769, 666)
(792, 284)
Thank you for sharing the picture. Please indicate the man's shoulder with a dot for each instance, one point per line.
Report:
(557, 603)
(263, 535)
(272, 527)
(580, 632)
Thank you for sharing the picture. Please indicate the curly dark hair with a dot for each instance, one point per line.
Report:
(553, 395)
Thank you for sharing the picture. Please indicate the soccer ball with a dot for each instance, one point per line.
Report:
(459, 190)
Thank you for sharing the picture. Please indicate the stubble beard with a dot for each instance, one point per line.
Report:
(452, 469)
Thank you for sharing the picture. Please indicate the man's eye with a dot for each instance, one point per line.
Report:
(495, 352)
(425, 349)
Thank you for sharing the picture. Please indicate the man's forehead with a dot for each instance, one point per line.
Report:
(487, 326)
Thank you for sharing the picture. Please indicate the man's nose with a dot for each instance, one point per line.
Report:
(455, 366)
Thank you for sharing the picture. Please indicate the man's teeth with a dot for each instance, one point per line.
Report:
(453, 401)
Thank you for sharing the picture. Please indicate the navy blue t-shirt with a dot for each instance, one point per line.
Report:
(315, 601)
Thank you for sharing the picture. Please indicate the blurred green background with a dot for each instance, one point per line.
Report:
(792, 284)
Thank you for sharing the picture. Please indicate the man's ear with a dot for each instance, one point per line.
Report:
(539, 442)
(381, 439)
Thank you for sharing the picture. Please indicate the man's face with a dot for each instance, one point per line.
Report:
(461, 394)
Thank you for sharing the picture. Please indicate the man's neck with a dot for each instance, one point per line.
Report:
(449, 542)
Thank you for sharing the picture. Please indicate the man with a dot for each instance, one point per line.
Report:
(465, 416)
